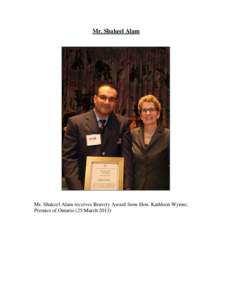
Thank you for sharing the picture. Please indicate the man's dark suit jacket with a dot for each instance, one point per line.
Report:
(115, 141)
(151, 162)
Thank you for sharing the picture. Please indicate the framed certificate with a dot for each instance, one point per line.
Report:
(104, 173)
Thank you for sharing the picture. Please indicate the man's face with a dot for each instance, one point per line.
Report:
(105, 100)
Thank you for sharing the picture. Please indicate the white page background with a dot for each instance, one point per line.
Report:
(160, 253)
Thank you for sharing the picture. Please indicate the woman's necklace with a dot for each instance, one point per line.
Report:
(148, 135)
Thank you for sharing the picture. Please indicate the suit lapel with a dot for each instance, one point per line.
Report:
(110, 129)
(155, 136)
(141, 138)
(91, 123)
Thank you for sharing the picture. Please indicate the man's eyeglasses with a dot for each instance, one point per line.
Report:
(104, 98)
(145, 110)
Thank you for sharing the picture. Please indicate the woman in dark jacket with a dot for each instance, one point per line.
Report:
(150, 146)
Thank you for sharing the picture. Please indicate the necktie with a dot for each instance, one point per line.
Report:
(103, 123)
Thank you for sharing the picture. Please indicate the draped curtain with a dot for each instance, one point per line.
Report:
(136, 71)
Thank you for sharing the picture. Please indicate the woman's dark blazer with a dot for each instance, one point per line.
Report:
(151, 162)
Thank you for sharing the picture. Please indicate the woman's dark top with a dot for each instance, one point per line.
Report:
(151, 161)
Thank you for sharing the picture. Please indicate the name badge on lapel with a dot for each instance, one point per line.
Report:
(93, 139)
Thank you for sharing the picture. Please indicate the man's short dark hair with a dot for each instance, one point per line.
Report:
(110, 84)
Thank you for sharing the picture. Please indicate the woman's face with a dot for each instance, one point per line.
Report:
(149, 115)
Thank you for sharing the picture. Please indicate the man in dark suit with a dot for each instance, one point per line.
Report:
(99, 132)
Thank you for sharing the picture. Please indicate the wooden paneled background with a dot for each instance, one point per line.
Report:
(136, 71)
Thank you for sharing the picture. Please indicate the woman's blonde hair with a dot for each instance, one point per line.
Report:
(149, 98)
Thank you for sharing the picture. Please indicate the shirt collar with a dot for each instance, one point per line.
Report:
(100, 118)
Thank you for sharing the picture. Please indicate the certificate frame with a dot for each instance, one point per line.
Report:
(115, 174)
